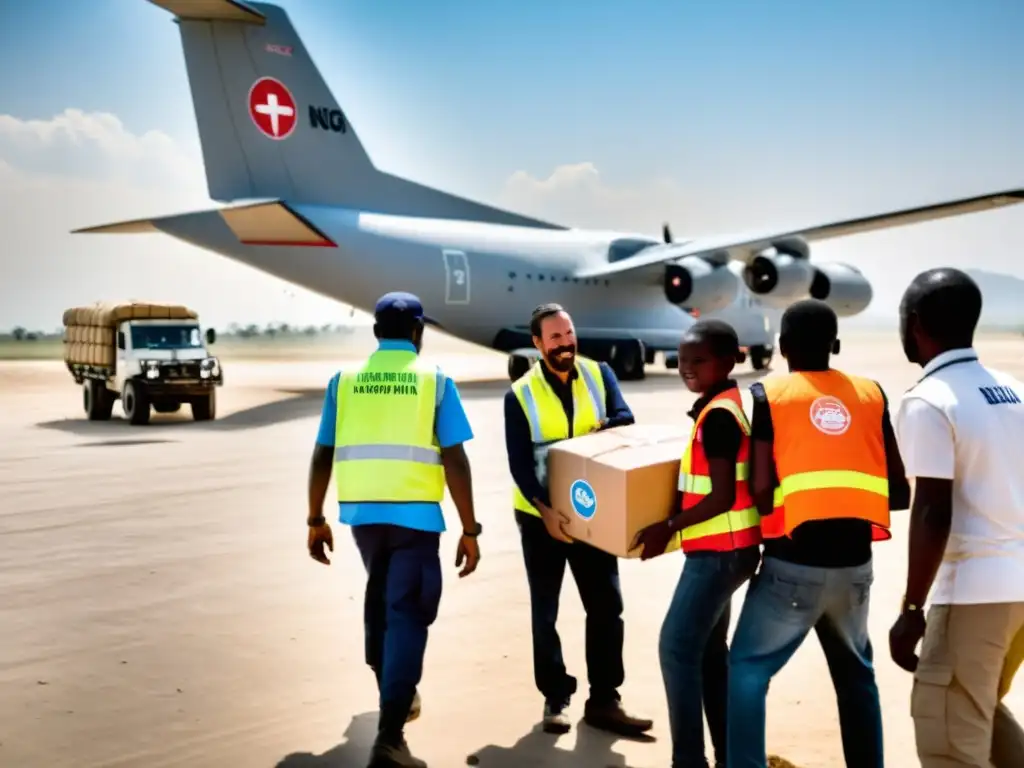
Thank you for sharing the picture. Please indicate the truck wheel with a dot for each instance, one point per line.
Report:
(166, 406)
(96, 400)
(205, 408)
(135, 403)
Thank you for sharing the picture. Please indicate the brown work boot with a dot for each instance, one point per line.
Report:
(613, 718)
(396, 754)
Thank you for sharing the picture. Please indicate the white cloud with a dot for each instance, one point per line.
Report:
(576, 195)
(78, 169)
(94, 146)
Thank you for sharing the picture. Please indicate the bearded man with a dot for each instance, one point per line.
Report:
(562, 396)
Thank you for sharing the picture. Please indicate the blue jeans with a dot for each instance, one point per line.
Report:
(403, 593)
(694, 653)
(597, 579)
(784, 602)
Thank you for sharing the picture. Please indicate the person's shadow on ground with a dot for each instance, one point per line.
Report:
(593, 749)
(353, 752)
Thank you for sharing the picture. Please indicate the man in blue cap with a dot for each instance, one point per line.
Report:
(392, 431)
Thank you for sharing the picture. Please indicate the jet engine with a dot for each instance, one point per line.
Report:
(696, 283)
(782, 274)
(842, 287)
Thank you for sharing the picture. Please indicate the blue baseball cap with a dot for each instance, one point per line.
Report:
(399, 303)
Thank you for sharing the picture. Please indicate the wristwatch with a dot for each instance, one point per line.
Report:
(477, 530)
(910, 607)
(316, 522)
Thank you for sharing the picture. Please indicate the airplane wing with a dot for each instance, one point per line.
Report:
(743, 247)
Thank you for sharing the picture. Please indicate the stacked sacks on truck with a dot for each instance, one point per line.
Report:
(90, 332)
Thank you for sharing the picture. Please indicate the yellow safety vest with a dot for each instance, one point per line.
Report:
(385, 448)
(548, 423)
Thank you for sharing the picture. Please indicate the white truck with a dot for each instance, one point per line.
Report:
(150, 356)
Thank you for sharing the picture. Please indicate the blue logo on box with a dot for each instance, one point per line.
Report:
(583, 499)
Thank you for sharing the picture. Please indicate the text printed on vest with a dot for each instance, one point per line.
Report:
(386, 383)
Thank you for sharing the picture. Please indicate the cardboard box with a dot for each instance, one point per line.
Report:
(613, 483)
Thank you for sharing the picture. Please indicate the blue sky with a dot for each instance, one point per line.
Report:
(715, 115)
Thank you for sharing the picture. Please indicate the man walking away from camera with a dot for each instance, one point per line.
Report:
(392, 431)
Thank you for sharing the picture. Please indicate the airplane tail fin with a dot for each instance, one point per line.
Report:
(269, 126)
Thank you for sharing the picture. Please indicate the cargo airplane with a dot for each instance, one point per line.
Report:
(303, 201)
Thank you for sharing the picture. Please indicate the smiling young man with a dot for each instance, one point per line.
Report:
(720, 534)
(562, 396)
(961, 431)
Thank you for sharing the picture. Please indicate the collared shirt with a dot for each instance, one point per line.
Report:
(519, 442)
(451, 427)
(964, 422)
(828, 543)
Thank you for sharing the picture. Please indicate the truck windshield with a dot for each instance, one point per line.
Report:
(165, 337)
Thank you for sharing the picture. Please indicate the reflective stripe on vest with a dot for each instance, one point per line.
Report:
(829, 452)
(547, 419)
(740, 526)
(385, 446)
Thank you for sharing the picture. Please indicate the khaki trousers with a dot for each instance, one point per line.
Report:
(968, 659)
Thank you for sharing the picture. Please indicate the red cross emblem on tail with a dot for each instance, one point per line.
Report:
(272, 108)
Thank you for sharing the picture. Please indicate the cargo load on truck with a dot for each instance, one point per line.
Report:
(90, 332)
(149, 355)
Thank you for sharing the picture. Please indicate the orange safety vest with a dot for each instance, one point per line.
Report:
(739, 527)
(829, 451)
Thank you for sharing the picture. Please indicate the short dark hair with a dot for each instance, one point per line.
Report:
(720, 337)
(542, 313)
(810, 328)
(948, 304)
(399, 326)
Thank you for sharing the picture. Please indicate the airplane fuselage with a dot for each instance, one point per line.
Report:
(475, 279)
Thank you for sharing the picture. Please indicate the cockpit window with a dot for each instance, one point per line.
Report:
(626, 247)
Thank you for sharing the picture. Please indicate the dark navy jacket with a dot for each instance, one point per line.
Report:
(519, 444)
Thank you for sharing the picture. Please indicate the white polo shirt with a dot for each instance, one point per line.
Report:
(964, 422)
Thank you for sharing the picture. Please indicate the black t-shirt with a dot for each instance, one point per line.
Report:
(720, 434)
(818, 543)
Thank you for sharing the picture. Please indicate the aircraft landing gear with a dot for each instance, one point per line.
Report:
(627, 359)
(760, 357)
(518, 364)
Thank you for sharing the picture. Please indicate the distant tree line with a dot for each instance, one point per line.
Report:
(274, 330)
(236, 330)
(20, 333)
